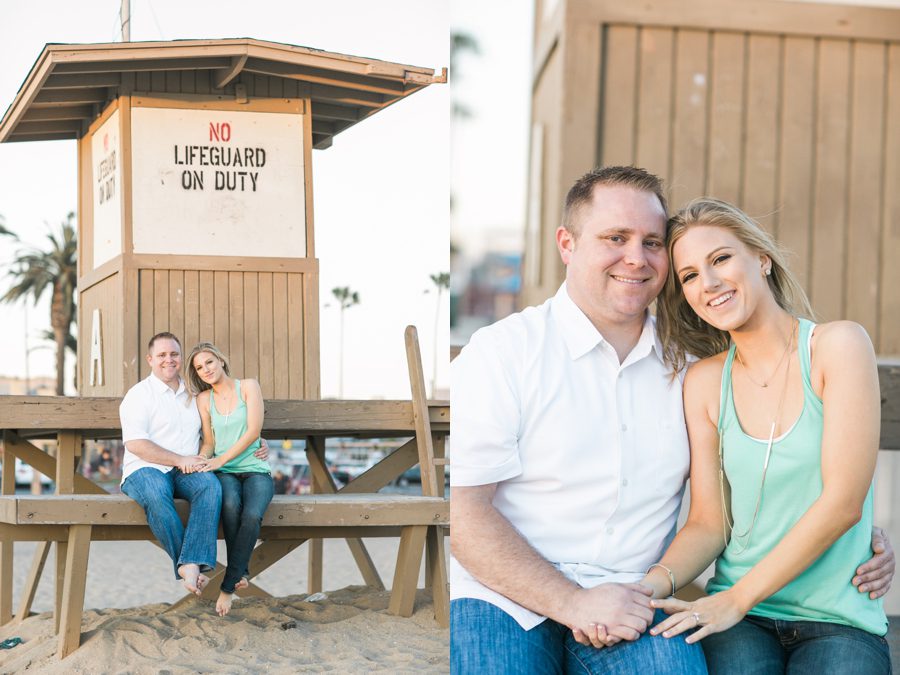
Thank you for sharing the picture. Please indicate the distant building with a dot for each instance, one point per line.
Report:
(35, 386)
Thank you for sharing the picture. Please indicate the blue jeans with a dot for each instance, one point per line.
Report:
(485, 639)
(772, 646)
(155, 492)
(245, 497)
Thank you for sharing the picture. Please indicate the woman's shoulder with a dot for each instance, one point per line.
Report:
(704, 376)
(203, 399)
(250, 386)
(836, 341)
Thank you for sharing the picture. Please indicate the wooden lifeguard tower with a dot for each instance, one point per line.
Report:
(196, 217)
(195, 202)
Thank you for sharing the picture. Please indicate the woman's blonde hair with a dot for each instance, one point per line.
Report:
(195, 384)
(681, 331)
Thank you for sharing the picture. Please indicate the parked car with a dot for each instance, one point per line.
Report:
(25, 474)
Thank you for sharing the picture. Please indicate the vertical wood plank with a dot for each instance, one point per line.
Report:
(762, 129)
(276, 87)
(830, 207)
(147, 321)
(251, 325)
(142, 81)
(619, 95)
(132, 353)
(406, 573)
(436, 561)
(201, 82)
(160, 301)
(312, 358)
(188, 82)
(297, 368)
(73, 589)
(280, 334)
(889, 332)
(236, 322)
(797, 154)
(158, 81)
(191, 309)
(173, 81)
(220, 311)
(176, 305)
(726, 117)
(261, 85)
(7, 487)
(655, 101)
(207, 307)
(308, 197)
(266, 362)
(864, 204)
(691, 102)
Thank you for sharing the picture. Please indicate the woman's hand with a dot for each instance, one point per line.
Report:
(214, 464)
(712, 614)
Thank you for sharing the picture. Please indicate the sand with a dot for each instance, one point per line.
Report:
(129, 628)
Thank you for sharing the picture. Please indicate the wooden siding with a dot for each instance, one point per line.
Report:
(801, 132)
(106, 295)
(255, 318)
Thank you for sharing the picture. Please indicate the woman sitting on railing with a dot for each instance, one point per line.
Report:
(231, 412)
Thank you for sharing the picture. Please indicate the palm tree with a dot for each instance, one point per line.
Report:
(460, 43)
(347, 298)
(442, 281)
(34, 270)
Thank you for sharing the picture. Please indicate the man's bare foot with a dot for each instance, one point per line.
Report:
(223, 604)
(243, 583)
(190, 576)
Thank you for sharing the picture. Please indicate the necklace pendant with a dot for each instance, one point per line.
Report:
(765, 384)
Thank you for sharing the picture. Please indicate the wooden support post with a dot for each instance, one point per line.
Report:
(59, 580)
(439, 451)
(315, 453)
(316, 554)
(7, 487)
(66, 444)
(435, 563)
(31, 583)
(73, 589)
(406, 574)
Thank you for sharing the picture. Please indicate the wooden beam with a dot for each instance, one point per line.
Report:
(436, 563)
(63, 81)
(75, 112)
(39, 128)
(406, 573)
(32, 581)
(73, 589)
(223, 76)
(69, 96)
(420, 413)
(321, 110)
(322, 76)
(344, 96)
(143, 65)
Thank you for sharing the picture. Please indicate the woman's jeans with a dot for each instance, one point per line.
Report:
(156, 491)
(758, 645)
(245, 497)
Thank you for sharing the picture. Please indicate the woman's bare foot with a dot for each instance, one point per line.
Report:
(223, 604)
(190, 577)
(243, 583)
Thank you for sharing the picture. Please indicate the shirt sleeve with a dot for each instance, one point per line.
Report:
(134, 413)
(486, 412)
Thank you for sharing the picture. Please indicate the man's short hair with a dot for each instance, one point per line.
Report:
(165, 335)
(583, 191)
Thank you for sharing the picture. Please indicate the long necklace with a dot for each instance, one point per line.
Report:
(765, 383)
(230, 413)
(727, 523)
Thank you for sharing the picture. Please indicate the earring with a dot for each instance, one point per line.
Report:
(769, 272)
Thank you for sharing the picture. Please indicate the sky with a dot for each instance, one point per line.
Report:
(381, 191)
(490, 149)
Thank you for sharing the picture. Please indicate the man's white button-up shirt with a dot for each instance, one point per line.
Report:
(151, 410)
(589, 455)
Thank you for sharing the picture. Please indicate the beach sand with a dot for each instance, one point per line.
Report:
(127, 628)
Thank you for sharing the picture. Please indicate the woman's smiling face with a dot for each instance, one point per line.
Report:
(721, 278)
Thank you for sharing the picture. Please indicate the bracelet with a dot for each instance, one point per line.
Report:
(668, 571)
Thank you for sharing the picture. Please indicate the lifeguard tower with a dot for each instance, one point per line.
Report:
(195, 210)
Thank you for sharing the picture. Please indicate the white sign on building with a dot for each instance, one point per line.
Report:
(208, 182)
(106, 157)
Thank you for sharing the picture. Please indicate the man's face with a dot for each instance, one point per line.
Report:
(165, 360)
(617, 263)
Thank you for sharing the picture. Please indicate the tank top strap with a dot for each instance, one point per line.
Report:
(725, 403)
(804, 349)
(237, 388)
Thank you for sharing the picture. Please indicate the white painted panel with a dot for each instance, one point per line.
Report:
(218, 183)
(106, 153)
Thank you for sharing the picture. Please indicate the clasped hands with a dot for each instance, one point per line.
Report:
(628, 612)
(200, 464)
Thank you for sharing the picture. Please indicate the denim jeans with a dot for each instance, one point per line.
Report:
(245, 497)
(155, 492)
(485, 639)
(771, 646)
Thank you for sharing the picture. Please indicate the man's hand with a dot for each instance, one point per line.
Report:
(608, 613)
(263, 451)
(191, 463)
(875, 575)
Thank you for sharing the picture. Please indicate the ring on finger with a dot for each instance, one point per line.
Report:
(696, 617)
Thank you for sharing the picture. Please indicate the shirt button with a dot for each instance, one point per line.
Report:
(610, 530)
(624, 427)
(620, 375)
(624, 482)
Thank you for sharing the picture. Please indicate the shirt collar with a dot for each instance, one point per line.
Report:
(160, 387)
(581, 336)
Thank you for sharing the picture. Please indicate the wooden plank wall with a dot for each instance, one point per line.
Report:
(106, 296)
(801, 132)
(255, 318)
(200, 82)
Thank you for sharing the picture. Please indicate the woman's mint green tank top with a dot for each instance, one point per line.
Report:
(823, 592)
(227, 429)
